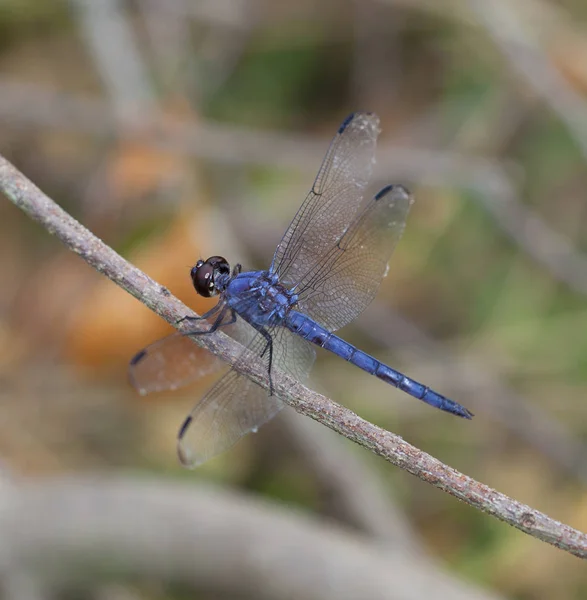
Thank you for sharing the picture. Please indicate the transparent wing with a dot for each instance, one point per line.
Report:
(176, 361)
(338, 289)
(171, 363)
(236, 406)
(233, 407)
(333, 201)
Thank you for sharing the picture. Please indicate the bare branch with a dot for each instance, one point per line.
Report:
(392, 447)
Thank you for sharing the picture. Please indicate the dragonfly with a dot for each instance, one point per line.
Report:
(326, 270)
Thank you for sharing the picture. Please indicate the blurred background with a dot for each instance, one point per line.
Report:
(178, 129)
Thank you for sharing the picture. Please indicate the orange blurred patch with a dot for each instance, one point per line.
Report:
(136, 169)
(569, 53)
(109, 326)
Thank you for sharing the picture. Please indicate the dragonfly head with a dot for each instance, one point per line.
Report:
(210, 277)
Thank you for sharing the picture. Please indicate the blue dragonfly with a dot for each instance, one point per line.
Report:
(325, 271)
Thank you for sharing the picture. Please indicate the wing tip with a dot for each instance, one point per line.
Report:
(138, 357)
(397, 189)
(184, 455)
(134, 361)
(184, 427)
(184, 458)
(357, 115)
(346, 122)
(384, 191)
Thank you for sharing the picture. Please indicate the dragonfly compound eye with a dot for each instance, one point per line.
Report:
(208, 276)
(202, 278)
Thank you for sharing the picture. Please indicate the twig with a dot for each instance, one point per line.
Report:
(392, 447)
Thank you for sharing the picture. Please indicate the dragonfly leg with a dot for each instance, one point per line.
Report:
(269, 347)
(232, 318)
(211, 312)
(217, 323)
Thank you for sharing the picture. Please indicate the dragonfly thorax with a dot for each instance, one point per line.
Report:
(259, 298)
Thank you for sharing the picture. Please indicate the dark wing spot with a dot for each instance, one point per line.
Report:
(138, 357)
(183, 428)
(346, 122)
(380, 194)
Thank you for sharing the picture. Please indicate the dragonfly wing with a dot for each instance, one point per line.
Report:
(176, 360)
(348, 276)
(292, 354)
(333, 201)
(235, 405)
(170, 363)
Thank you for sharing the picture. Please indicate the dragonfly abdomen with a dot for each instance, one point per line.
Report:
(316, 334)
(420, 391)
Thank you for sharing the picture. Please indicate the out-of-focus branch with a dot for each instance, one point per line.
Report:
(17, 585)
(508, 31)
(352, 488)
(24, 194)
(209, 539)
(230, 14)
(511, 33)
(539, 241)
(109, 37)
(42, 107)
(115, 591)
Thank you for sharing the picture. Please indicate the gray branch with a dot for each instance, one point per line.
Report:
(24, 194)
